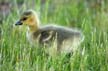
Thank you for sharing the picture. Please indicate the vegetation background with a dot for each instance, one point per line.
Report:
(91, 16)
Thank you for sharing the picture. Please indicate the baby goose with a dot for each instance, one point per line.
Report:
(66, 38)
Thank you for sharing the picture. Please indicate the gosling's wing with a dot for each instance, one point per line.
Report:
(44, 35)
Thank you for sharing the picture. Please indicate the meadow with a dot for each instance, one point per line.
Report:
(16, 54)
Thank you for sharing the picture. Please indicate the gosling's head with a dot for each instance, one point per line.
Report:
(28, 18)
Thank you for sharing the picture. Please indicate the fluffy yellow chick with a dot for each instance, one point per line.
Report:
(67, 39)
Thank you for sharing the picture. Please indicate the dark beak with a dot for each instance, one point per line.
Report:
(18, 23)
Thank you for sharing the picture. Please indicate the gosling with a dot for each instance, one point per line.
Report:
(67, 39)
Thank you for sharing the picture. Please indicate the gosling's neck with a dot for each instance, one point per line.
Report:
(33, 28)
(34, 24)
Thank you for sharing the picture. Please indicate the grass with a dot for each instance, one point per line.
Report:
(16, 54)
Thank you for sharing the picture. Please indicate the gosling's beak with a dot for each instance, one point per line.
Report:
(19, 23)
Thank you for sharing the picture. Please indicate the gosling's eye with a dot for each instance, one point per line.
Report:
(23, 19)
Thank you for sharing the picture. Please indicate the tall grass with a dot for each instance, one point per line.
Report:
(16, 54)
